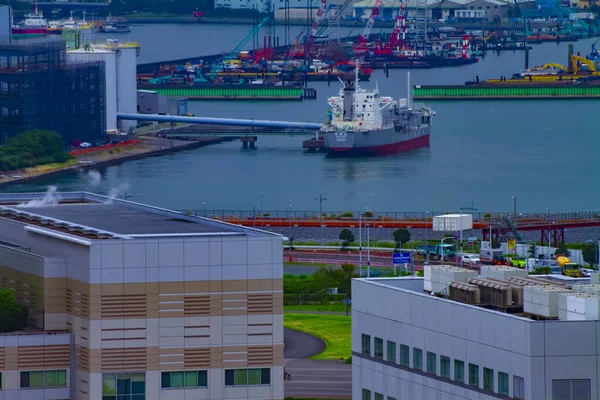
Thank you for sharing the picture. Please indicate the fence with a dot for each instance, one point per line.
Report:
(103, 147)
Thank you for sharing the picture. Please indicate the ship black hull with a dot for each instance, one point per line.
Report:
(393, 62)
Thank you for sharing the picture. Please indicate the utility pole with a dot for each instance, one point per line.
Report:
(321, 198)
(368, 251)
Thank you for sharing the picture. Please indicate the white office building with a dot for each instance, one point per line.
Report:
(539, 342)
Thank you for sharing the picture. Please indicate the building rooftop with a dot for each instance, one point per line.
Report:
(99, 217)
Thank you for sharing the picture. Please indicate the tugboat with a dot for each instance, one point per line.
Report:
(362, 122)
(34, 24)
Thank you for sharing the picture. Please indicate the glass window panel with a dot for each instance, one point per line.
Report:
(138, 383)
(488, 379)
(138, 397)
(378, 396)
(581, 390)
(165, 380)
(391, 398)
(417, 359)
(240, 377)
(265, 376)
(109, 397)
(177, 379)
(366, 394)
(202, 379)
(459, 371)
(378, 347)
(36, 379)
(473, 375)
(431, 362)
(254, 376)
(404, 355)
(123, 384)
(391, 351)
(124, 397)
(229, 377)
(25, 379)
(561, 389)
(444, 367)
(366, 344)
(49, 378)
(503, 383)
(61, 378)
(109, 384)
(518, 387)
(191, 379)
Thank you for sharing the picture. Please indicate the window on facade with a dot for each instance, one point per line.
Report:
(502, 383)
(391, 398)
(571, 389)
(378, 347)
(488, 379)
(459, 371)
(366, 344)
(404, 355)
(444, 367)
(431, 363)
(378, 396)
(391, 351)
(366, 394)
(184, 379)
(248, 377)
(417, 359)
(43, 379)
(124, 386)
(518, 387)
(473, 374)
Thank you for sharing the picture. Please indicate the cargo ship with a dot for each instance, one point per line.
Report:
(363, 123)
(33, 24)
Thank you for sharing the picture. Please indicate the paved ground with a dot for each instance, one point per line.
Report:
(314, 378)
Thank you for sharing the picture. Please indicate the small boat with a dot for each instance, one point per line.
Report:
(54, 28)
(543, 70)
(116, 25)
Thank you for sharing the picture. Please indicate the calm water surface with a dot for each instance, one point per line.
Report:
(543, 152)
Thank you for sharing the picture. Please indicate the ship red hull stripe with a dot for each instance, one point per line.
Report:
(392, 148)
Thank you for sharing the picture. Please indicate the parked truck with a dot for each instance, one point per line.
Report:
(492, 256)
(436, 251)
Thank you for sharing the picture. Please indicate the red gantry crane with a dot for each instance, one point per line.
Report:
(362, 44)
(395, 42)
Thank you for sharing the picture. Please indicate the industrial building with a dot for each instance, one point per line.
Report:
(39, 90)
(133, 302)
(460, 334)
(119, 74)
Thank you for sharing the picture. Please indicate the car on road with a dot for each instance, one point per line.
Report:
(471, 259)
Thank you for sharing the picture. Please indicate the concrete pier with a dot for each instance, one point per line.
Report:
(248, 142)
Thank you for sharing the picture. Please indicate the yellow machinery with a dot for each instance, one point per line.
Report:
(553, 65)
(562, 260)
(576, 62)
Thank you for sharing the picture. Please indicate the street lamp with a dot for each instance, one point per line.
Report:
(321, 198)
(290, 226)
(368, 252)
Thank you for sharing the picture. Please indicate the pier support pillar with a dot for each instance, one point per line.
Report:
(249, 142)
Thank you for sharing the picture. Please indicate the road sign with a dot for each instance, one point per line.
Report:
(396, 257)
(401, 258)
(512, 244)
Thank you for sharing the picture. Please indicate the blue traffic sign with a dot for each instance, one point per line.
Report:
(401, 258)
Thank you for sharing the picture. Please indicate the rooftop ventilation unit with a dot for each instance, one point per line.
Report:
(464, 292)
(493, 292)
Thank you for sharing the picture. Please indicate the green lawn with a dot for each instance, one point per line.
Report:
(318, 308)
(335, 330)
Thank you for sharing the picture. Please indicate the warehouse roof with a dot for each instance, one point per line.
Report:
(100, 217)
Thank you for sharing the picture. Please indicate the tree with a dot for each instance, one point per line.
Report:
(13, 316)
(562, 250)
(401, 236)
(347, 272)
(590, 254)
(347, 237)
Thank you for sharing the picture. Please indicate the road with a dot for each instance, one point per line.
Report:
(314, 378)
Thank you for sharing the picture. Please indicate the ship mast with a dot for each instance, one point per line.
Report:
(408, 94)
(356, 68)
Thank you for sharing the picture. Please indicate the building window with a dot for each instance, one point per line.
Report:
(404, 355)
(43, 379)
(459, 371)
(391, 351)
(518, 387)
(502, 383)
(431, 363)
(378, 347)
(445, 367)
(378, 396)
(473, 374)
(248, 377)
(366, 344)
(124, 386)
(184, 379)
(391, 398)
(418, 359)
(366, 394)
(488, 379)
(571, 389)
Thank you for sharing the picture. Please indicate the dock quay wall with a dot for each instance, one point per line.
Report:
(495, 92)
(229, 92)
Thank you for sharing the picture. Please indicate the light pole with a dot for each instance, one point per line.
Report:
(321, 198)
(360, 243)
(514, 206)
(442, 246)
(368, 252)
(426, 238)
(373, 196)
(289, 227)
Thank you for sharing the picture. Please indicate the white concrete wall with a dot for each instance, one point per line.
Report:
(537, 351)
(126, 84)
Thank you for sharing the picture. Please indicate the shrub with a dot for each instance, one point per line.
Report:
(32, 148)
(13, 316)
(347, 214)
(368, 214)
(421, 273)
(541, 271)
(348, 360)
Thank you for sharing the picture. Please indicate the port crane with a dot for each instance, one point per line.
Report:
(395, 42)
(362, 46)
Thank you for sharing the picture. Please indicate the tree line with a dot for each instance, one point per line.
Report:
(31, 148)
